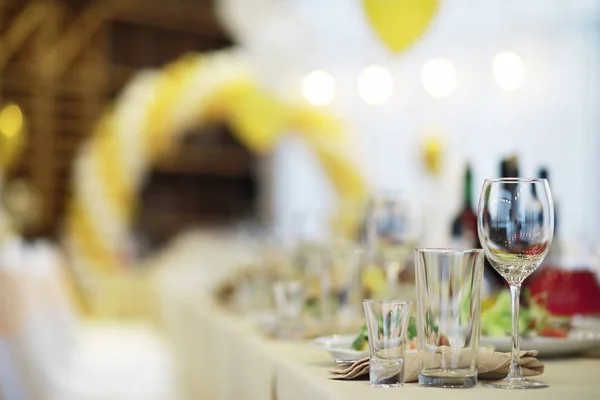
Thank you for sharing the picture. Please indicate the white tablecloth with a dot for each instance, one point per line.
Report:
(225, 356)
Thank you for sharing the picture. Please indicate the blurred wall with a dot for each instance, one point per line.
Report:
(551, 120)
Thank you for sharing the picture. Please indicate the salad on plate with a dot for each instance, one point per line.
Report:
(496, 321)
(536, 324)
(534, 318)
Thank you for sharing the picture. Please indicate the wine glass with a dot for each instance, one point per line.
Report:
(392, 229)
(515, 226)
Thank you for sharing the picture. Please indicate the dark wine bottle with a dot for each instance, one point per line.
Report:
(512, 167)
(543, 174)
(464, 225)
(511, 171)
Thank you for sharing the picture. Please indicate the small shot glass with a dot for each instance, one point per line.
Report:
(387, 322)
(290, 297)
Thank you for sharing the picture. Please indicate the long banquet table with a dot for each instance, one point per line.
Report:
(225, 356)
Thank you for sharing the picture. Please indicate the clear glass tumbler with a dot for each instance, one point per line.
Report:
(290, 297)
(448, 315)
(387, 322)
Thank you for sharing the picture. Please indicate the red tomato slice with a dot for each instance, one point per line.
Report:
(553, 332)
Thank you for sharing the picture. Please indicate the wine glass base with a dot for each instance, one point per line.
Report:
(518, 383)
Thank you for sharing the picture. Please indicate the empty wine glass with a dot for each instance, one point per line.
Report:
(392, 229)
(515, 226)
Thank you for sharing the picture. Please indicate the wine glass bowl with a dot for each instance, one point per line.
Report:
(515, 226)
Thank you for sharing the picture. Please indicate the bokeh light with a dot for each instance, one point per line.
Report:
(11, 120)
(509, 71)
(375, 85)
(318, 87)
(439, 77)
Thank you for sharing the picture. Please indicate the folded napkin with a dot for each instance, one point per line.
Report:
(490, 365)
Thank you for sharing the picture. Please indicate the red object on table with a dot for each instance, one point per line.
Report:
(570, 292)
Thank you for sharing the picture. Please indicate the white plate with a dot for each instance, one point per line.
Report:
(340, 348)
(577, 342)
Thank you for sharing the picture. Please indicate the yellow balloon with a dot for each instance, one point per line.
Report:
(432, 153)
(398, 23)
(258, 117)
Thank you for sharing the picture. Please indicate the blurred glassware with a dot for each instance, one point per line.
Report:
(317, 274)
(277, 260)
(516, 228)
(392, 231)
(253, 292)
(267, 262)
(290, 297)
(387, 323)
(448, 315)
(347, 262)
(347, 221)
(333, 277)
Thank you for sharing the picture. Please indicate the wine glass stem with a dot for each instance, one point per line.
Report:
(515, 369)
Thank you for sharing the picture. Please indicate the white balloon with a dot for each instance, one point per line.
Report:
(285, 39)
(242, 18)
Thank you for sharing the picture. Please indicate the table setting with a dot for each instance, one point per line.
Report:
(438, 330)
(275, 200)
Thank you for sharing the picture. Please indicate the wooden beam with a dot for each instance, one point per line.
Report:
(21, 78)
(76, 37)
(2, 13)
(64, 7)
(21, 28)
(44, 127)
(9, 4)
(177, 16)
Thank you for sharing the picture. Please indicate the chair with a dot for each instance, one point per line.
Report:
(47, 352)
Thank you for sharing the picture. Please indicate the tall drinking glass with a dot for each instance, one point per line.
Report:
(448, 315)
(392, 229)
(516, 227)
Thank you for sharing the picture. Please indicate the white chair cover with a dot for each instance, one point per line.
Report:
(47, 353)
